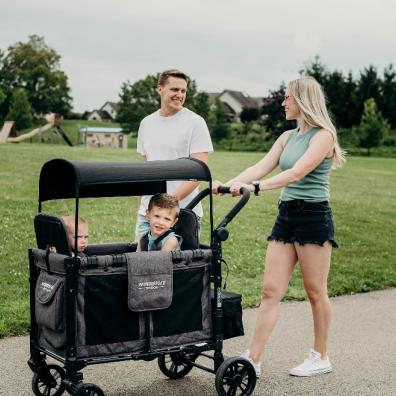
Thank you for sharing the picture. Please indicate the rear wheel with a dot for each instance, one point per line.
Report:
(236, 377)
(176, 365)
(49, 381)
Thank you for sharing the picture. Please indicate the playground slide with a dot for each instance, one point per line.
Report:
(30, 134)
(7, 128)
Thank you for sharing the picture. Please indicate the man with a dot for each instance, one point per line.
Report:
(172, 132)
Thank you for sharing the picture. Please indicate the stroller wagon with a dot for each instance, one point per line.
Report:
(113, 303)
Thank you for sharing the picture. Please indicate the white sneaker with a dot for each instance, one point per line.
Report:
(257, 366)
(314, 365)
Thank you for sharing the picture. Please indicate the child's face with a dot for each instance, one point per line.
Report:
(82, 238)
(160, 219)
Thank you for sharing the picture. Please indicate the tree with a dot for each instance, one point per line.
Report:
(275, 121)
(20, 110)
(249, 114)
(373, 126)
(34, 67)
(140, 99)
(388, 95)
(221, 128)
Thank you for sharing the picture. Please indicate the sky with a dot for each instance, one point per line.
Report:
(245, 45)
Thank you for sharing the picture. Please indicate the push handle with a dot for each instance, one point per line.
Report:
(245, 195)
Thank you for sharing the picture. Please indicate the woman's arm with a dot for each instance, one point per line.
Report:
(267, 164)
(319, 148)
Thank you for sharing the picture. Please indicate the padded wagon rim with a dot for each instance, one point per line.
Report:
(61, 178)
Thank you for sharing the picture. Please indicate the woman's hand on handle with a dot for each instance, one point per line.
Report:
(215, 185)
(235, 188)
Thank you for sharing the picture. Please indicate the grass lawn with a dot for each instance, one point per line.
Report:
(363, 200)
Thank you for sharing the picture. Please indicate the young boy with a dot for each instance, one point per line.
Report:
(82, 238)
(162, 214)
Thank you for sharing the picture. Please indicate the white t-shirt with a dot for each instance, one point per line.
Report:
(173, 137)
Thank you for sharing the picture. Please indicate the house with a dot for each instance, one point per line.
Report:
(103, 137)
(111, 108)
(108, 112)
(99, 115)
(235, 102)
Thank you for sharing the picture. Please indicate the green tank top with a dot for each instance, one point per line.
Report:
(314, 187)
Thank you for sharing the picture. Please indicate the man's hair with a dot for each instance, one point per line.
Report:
(163, 78)
(69, 222)
(164, 201)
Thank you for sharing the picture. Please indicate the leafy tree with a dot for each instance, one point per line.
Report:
(274, 116)
(388, 95)
(368, 87)
(137, 101)
(20, 110)
(34, 67)
(141, 98)
(315, 69)
(249, 114)
(373, 126)
(221, 128)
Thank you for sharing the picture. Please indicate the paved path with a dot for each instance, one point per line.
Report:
(362, 350)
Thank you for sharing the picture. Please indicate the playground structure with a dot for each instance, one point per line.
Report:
(9, 134)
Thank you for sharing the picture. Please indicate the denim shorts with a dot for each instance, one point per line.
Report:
(304, 222)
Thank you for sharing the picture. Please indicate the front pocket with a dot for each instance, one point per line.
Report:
(49, 301)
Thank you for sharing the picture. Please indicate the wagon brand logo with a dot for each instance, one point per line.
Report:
(46, 286)
(152, 285)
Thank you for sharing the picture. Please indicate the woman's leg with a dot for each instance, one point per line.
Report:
(315, 265)
(279, 264)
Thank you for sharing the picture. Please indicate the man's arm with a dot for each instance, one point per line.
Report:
(187, 187)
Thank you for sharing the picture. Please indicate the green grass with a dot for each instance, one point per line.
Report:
(363, 200)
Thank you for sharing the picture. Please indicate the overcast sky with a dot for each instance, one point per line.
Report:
(246, 45)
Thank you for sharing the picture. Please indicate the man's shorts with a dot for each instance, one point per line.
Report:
(304, 222)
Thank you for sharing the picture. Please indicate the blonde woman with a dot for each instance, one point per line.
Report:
(303, 231)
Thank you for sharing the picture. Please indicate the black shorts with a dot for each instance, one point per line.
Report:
(304, 222)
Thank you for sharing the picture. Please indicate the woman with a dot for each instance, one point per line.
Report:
(303, 231)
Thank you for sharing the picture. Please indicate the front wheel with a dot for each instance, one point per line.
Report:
(235, 376)
(49, 381)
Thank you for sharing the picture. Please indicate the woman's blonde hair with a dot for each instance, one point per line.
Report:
(311, 101)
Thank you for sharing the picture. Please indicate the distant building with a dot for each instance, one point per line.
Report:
(235, 102)
(103, 137)
(108, 112)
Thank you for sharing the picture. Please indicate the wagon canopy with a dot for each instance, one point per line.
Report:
(60, 178)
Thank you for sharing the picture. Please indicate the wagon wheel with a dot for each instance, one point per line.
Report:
(49, 381)
(235, 377)
(93, 390)
(177, 364)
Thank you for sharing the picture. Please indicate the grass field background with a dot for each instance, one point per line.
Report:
(363, 197)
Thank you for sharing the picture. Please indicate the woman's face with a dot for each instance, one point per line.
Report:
(292, 111)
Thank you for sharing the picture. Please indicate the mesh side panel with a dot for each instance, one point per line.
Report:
(185, 313)
(107, 317)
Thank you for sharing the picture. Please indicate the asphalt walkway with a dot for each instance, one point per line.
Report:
(362, 349)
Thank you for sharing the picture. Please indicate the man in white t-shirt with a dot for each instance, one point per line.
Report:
(172, 132)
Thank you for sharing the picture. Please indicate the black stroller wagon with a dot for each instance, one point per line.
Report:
(114, 304)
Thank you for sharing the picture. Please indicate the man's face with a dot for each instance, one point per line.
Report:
(82, 238)
(173, 95)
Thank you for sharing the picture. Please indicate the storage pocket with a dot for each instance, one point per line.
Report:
(49, 301)
(232, 314)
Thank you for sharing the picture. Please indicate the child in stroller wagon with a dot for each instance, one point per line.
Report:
(82, 237)
(162, 214)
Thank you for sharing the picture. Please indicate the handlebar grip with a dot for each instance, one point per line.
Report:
(223, 190)
(245, 195)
